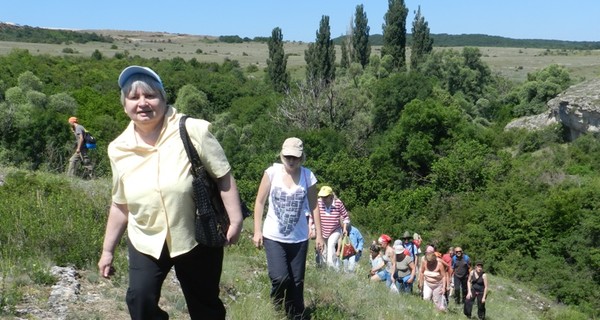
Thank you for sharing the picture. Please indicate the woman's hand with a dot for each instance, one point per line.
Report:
(105, 264)
(258, 239)
(233, 233)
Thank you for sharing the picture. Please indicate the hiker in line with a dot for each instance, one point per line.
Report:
(447, 258)
(288, 186)
(334, 224)
(433, 280)
(358, 242)
(478, 288)
(389, 258)
(461, 265)
(377, 272)
(413, 249)
(152, 197)
(405, 269)
(81, 151)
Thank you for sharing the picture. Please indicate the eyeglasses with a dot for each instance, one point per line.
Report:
(291, 158)
(457, 251)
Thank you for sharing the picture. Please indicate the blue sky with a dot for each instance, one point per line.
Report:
(299, 20)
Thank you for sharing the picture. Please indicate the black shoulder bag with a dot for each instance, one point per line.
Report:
(211, 218)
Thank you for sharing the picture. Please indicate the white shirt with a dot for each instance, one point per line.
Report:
(286, 219)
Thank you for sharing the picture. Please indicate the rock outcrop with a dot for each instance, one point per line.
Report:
(577, 108)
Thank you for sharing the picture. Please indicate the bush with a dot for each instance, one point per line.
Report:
(44, 215)
(252, 68)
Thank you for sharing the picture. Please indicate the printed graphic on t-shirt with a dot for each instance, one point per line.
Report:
(288, 208)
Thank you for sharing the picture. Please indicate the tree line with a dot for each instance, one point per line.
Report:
(412, 145)
(9, 32)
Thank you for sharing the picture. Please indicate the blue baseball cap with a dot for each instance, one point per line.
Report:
(131, 70)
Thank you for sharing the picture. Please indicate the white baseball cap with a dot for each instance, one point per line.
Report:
(131, 70)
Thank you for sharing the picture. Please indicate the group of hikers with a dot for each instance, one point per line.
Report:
(399, 264)
(153, 201)
(438, 276)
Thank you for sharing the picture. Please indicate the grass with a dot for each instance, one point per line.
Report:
(512, 63)
(25, 281)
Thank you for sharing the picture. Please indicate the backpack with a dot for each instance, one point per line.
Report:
(417, 241)
(465, 258)
(89, 140)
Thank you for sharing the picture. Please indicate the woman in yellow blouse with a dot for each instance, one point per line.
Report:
(152, 200)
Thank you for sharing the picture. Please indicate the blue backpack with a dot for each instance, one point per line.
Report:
(465, 257)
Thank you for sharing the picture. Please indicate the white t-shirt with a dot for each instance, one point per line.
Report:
(286, 219)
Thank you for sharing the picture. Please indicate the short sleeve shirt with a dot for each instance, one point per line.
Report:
(79, 132)
(156, 184)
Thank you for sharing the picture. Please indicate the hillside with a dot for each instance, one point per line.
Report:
(423, 150)
(483, 40)
(18, 33)
(48, 292)
(511, 62)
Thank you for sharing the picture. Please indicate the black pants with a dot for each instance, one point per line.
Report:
(199, 274)
(286, 263)
(480, 305)
(460, 288)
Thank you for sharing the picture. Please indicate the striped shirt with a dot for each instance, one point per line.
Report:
(331, 216)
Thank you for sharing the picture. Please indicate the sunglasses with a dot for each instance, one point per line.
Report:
(457, 251)
(291, 158)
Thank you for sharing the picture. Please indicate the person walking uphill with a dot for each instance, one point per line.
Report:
(461, 267)
(290, 188)
(334, 224)
(478, 288)
(81, 152)
(152, 198)
(357, 241)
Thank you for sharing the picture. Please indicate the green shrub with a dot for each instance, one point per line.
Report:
(50, 215)
(69, 50)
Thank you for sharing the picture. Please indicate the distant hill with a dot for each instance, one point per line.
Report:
(482, 40)
(18, 33)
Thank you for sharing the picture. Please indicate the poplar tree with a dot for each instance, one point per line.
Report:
(277, 75)
(320, 56)
(345, 60)
(394, 33)
(422, 43)
(360, 37)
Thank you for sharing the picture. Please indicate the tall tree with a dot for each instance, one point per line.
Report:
(394, 33)
(320, 56)
(277, 75)
(345, 60)
(422, 43)
(360, 37)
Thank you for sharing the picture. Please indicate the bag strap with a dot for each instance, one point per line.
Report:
(197, 167)
(344, 238)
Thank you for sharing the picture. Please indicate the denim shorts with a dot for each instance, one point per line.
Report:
(383, 275)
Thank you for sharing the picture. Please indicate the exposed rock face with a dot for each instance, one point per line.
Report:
(578, 109)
